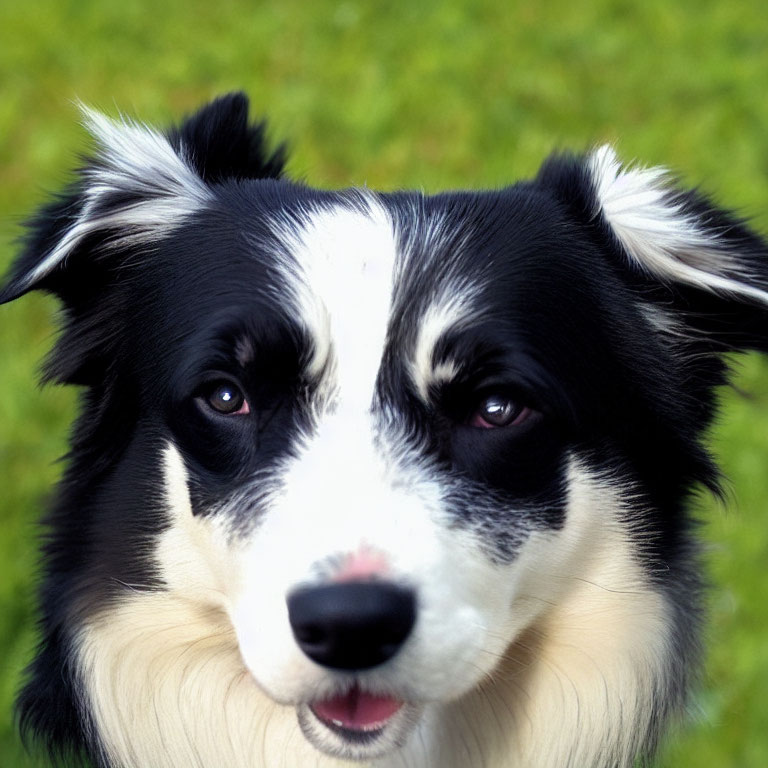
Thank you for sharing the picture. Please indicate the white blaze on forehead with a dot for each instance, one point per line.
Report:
(346, 258)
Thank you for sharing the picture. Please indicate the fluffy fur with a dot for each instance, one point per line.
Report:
(485, 409)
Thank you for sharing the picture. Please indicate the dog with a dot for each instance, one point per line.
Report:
(390, 479)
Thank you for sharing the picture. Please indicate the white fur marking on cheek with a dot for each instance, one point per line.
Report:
(161, 672)
(580, 686)
(166, 687)
(658, 235)
(136, 161)
(196, 555)
(346, 259)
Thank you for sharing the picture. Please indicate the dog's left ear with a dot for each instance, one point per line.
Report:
(139, 185)
(693, 263)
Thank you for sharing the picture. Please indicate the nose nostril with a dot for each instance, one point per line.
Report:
(310, 637)
(352, 625)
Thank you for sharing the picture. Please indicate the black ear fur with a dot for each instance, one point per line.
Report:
(734, 320)
(220, 144)
(43, 232)
(697, 263)
(131, 169)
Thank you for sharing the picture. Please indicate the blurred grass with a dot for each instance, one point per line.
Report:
(426, 95)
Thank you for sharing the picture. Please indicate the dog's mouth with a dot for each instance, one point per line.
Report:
(356, 712)
(357, 724)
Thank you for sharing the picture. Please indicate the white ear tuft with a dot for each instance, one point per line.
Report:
(650, 219)
(138, 159)
(139, 187)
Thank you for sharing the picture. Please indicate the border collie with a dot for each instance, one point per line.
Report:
(390, 478)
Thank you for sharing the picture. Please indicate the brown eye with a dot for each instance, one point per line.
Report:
(498, 411)
(225, 397)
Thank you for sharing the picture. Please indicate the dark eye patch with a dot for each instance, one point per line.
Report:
(237, 397)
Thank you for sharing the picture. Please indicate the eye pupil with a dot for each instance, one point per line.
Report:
(226, 398)
(498, 411)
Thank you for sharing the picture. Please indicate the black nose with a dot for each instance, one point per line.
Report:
(352, 625)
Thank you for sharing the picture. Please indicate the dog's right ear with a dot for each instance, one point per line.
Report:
(139, 186)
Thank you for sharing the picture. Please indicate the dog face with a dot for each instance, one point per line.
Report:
(357, 454)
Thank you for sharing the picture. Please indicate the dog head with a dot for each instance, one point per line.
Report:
(375, 446)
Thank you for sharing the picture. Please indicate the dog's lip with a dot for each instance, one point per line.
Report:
(357, 710)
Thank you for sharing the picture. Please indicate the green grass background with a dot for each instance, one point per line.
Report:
(420, 94)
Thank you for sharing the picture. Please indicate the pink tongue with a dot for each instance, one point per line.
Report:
(357, 710)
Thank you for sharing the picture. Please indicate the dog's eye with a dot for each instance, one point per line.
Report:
(225, 397)
(498, 411)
